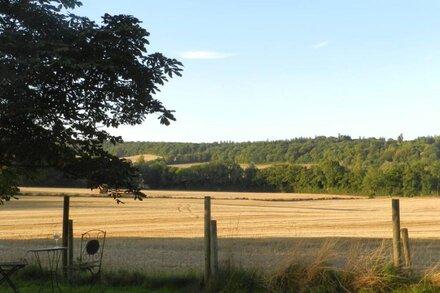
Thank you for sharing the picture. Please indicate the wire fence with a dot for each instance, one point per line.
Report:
(166, 234)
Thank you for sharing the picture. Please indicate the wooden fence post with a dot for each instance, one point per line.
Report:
(207, 238)
(69, 248)
(70, 243)
(214, 248)
(65, 232)
(406, 251)
(396, 232)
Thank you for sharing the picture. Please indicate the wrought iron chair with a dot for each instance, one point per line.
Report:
(7, 269)
(91, 252)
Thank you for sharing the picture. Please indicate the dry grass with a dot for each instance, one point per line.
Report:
(368, 267)
(303, 271)
(432, 275)
(345, 265)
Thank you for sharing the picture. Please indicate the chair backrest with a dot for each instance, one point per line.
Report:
(92, 247)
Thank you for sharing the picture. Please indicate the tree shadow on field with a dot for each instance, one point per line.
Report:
(182, 255)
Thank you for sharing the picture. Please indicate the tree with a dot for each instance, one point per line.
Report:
(335, 175)
(373, 182)
(64, 80)
(249, 174)
(412, 179)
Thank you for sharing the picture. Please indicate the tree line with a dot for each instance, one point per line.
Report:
(375, 166)
(326, 177)
(371, 166)
(352, 153)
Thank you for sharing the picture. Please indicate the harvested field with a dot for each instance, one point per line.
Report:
(35, 216)
(258, 166)
(243, 165)
(145, 157)
(263, 229)
(187, 165)
(257, 216)
(151, 157)
(193, 194)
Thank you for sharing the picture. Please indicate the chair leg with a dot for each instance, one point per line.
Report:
(6, 274)
(94, 278)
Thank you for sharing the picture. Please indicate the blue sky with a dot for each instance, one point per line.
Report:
(258, 70)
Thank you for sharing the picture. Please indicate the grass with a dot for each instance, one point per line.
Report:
(363, 269)
(297, 277)
(32, 280)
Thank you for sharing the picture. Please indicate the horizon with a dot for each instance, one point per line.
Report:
(288, 139)
(276, 70)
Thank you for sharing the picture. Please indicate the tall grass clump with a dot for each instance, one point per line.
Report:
(369, 269)
(430, 281)
(365, 267)
(301, 275)
(315, 277)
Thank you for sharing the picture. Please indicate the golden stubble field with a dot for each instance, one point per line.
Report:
(242, 215)
(151, 157)
(253, 228)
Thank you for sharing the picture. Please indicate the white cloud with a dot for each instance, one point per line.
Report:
(204, 55)
(321, 44)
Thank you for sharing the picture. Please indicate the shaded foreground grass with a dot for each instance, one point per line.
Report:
(362, 269)
(32, 280)
(249, 265)
(182, 255)
(317, 276)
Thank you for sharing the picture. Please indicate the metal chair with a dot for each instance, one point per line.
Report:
(7, 269)
(91, 252)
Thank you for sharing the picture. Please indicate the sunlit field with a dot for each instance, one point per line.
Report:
(145, 157)
(151, 157)
(255, 215)
(253, 228)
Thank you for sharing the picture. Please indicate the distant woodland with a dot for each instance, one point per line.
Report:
(369, 166)
(373, 166)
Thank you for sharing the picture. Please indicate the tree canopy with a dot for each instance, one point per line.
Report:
(372, 166)
(64, 80)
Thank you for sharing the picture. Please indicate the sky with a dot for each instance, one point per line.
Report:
(270, 70)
